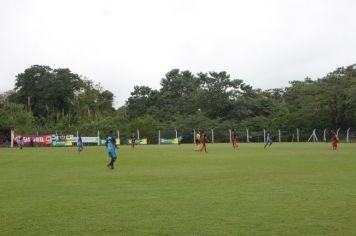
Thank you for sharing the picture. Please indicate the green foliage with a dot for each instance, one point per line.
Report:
(62, 100)
(146, 125)
(14, 116)
(44, 90)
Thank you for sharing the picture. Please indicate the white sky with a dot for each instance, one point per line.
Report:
(135, 42)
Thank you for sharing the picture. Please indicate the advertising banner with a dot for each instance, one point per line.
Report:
(103, 141)
(86, 139)
(36, 139)
(166, 141)
(169, 141)
(138, 141)
(62, 137)
(58, 143)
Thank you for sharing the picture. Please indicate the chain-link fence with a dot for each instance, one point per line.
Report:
(218, 135)
(168, 134)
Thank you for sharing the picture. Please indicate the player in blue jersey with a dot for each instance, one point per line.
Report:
(80, 144)
(111, 146)
(21, 142)
(269, 141)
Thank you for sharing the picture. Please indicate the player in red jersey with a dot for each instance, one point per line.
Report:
(234, 140)
(203, 141)
(133, 140)
(334, 142)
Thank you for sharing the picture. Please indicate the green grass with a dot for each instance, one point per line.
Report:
(289, 189)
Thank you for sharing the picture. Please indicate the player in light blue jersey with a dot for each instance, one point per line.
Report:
(111, 147)
(269, 141)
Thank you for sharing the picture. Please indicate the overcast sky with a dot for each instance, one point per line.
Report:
(135, 42)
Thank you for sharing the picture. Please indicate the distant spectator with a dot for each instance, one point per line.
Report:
(31, 141)
(21, 142)
(180, 138)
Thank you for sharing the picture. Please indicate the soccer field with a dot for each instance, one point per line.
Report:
(289, 189)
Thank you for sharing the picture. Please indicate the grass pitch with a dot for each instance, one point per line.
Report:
(289, 189)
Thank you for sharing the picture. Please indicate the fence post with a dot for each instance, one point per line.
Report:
(212, 135)
(297, 135)
(313, 135)
(279, 135)
(98, 137)
(347, 135)
(176, 133)
(248, 136)
(337, 133)
(159, 137)
(324, 135)
(138, 134)
(264, 135)
(194, 136)
(230, 135)
(12, 137)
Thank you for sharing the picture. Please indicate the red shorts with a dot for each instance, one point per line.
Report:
(234, 141)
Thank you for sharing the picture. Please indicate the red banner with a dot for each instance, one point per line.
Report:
(37, 139)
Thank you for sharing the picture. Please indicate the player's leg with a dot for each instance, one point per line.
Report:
(270, 143)
(109, 165)
(201, 147)
(112, 162)
(266, 144)
(113, 159)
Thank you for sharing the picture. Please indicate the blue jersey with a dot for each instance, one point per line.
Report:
(269, 139)
(111, 145)
(80, 142)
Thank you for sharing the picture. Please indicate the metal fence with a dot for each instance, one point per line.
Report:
(247, 136)
(220, 135)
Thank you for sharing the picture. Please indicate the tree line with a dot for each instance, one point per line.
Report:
(48, 100)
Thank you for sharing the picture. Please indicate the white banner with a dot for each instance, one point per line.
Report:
(86, 139)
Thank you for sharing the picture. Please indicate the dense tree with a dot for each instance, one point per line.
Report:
(44, 90)
(57, 99)
(13, 115)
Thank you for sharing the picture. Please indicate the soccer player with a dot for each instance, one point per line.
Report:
(180, 138)
(197, 141)
(334, 142)
(80, 144)
(111, 146)
(234, 140)
(31, 141)
(133, 140)
(21, 142)
(203, 142)
(269, 141)
(197, 138)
